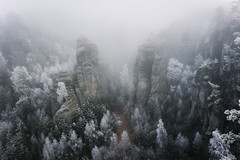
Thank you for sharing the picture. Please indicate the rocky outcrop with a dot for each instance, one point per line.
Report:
(143, 73)
(159, 85)
(150, 81)
(90, 80)
(86, 71)
(188, 105)
(209, 96)
(68, 109)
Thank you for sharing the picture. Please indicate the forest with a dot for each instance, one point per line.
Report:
(177, 99)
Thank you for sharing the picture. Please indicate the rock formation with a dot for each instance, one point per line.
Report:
(87, 69)
(142, 74)
(69, 108)
(90, 80)
(150, 81)
(188, 105)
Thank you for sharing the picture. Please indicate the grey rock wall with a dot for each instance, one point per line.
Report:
(68, 109)
(143, 73)
(90, 80)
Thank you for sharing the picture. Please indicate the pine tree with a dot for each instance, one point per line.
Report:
(198, 141)
(161, 134)
(218, 148)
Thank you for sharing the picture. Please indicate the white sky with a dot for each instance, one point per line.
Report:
(118, 27)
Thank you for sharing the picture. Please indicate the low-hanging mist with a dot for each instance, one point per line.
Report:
(116, 27)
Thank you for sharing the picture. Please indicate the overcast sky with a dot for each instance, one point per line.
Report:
(116, 26)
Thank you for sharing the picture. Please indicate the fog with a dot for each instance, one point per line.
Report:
(165, 85)
(116, 27)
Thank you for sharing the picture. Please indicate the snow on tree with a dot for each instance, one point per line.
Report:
(22, 84)
(96, 153)
(62, 145)
(73, 136)
(218, 148)
(114, 140)
(124, 139)
(198, 61)
(209, 63)
(90, 130)
(59, 147)
(181, 142)
(198, 141)
(106, 125)
(231, 55)
(40, 75)
(45, 79)
(68, 146)
(91, 133)
(21, 80)
(104, 152)
(48, 151)
(75, 144)
(233, 115)
(61, 92)
(187, 75)
(230, 137)
(139, 123)
(40, 96)
(36, 71)
(67, 65)
(105, 122)
(28, 88)
(174, 71)
(161, 134)
(236, 34)
(237, 41)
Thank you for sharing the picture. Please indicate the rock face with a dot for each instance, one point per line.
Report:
(150, 78)
(209, 96)
(86, 72)
(159, 85)
(192, 104)
(68, 109)
(90, 80)
(142, 74)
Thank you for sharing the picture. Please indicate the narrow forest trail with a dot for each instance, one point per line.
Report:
(124, 126)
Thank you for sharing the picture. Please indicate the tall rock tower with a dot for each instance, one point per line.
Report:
(87, 69)
(92, 79)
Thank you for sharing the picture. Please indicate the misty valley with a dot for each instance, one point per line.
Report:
(176, 98)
